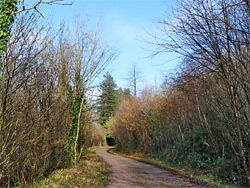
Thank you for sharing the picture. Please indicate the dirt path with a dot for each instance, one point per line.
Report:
(129, 173)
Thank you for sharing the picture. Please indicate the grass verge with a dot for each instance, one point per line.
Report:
(91, 171)
(201, 177)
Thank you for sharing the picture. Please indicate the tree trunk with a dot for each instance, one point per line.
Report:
(236, 112)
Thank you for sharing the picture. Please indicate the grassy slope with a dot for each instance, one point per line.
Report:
(91, 171)
(195, 174)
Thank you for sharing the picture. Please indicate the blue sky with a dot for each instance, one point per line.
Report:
(125, 24)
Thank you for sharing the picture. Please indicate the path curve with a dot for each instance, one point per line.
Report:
(129, 173)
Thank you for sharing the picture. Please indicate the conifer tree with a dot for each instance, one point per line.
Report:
(107, 100)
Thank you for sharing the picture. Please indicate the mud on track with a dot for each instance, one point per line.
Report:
(130, 173)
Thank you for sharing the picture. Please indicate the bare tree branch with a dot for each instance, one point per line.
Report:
(39, 3)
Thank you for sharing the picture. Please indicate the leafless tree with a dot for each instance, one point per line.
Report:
(89, 56)
(134, 78)
(27, 90)
(214, 35)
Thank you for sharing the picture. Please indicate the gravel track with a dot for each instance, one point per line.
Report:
(130, 173)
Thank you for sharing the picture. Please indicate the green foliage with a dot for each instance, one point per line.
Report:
(110, 140)
(75, 104)
(7, 8)
(75, 108)
(107, 100)
(121, 93)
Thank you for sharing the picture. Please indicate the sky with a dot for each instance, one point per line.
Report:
(126, 24)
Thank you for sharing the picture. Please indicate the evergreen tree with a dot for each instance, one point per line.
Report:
(121, 93)
(107, 103)
(107, 100)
